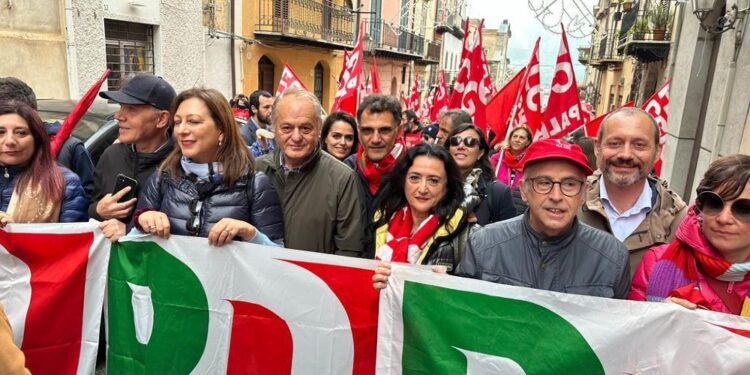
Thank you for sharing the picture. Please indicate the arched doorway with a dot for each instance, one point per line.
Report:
(265, 74)
(318, 81)
(394, 84)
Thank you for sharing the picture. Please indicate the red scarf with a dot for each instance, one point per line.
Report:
(372, 171)
(511, 161)
(402, 246)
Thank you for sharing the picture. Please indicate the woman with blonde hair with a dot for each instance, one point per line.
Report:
(208, 186)
(507, 162)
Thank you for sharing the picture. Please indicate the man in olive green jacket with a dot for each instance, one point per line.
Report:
(622, 199)
(324, 209)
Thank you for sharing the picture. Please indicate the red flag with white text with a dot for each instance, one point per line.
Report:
(658, 107)
(478, 89)
(289, 79)
(464, 69)
(500, 107)
(563, 113)
(528, 105)
(440, 104)
(414, 97)
(348, 87)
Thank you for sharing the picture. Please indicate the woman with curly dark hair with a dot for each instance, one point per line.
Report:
(418, 216)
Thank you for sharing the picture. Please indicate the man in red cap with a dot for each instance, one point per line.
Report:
(547, 247)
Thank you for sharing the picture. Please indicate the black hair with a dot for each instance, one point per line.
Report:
(483, 162)
(411, 117)
(380, 104)
(254, 99)
(391, 197)
(726, 176)
(12, 88)
(328, 123)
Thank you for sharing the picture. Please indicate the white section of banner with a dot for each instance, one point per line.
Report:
(15, 291)
(263, 275)
(628, 337)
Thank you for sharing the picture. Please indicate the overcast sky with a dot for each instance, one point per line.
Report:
(525, 28)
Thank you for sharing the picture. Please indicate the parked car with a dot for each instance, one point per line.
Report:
(97, 129)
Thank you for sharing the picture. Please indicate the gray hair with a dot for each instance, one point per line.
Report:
(629, 111)
(299, 93)
(458, 116)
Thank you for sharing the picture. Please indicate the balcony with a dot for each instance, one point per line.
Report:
(640, 40)
(584, 54)
(384, 39)
(448, 22)
(433, 53)
(604, 52)
(307, 22)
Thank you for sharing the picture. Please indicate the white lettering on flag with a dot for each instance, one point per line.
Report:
(485, 364)
(143, 312)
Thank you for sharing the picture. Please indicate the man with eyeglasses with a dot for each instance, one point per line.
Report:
(623, 199)
(379, 126)
(322, 202)
(547, 247)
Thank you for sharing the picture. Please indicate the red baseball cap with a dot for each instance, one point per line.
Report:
(556, 149)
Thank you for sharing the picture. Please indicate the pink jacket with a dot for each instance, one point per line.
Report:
(502, 172)
(645, 288)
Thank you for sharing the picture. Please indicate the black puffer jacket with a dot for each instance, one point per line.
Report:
(174, 195)
(497, 204)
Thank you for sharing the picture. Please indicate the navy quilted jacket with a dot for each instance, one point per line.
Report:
(74, 206)
(259, 205)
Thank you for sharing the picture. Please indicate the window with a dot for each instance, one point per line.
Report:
(403, 74)
(318, 84)
(265, 74)
(130, 50)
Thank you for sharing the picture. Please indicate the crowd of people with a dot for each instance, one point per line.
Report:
(379, 184)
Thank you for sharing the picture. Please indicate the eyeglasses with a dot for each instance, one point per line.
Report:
(468, 141)
(193, 225)
(712, 204)
(570, 187)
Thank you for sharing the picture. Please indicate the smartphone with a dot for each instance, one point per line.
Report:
(123, 181)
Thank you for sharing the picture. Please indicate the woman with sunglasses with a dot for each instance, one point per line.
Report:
(339, 135)
(418, 217)
(708, 264)
(208, 186)
(488, 200)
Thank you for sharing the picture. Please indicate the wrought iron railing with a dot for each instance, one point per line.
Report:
(605, 48)
(382, 35)
(318, 20)
(433, 51)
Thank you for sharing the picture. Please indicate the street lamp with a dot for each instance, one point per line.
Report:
(703, 10)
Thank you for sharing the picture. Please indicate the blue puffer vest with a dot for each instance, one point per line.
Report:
(257, 204)
(74, 205)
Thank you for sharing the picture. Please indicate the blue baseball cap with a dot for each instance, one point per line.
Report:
(143, 89)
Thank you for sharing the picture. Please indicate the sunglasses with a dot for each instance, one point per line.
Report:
(468, 141)
(712, 204)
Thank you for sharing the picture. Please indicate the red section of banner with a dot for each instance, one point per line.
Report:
(414, 98)
(528, 105)
(563, 113)
(440, 104)
(54, 320)
(348, 87)
(658, 107)
(260, 342)
(289, 79)
(353, 287)
(464, 68)
(501, 105)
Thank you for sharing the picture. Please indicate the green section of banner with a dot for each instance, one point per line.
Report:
(180, 312)
(439, 320)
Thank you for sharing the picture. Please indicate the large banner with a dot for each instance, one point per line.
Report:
(52, 280)
(438, 324)
(181, 306)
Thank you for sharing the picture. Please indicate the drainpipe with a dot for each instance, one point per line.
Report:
(70, 49)
(729, 87)
(231, 47)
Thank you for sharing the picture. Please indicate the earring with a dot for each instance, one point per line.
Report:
(221, 141)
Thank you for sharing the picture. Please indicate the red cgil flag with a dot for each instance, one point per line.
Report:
(528, 105)
(478, 90)
(348, 88)
(592, 127)
(563, 113)
(414, 98)
(500, 107)
(289, 79)
(440, 104)
(75, 114)
(464, 69)
(374, 78)
(657, 106)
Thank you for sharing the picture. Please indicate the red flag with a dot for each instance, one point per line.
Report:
(75, 114)
(374, 78)
(414, 98)
(528, 104)
(478, 89)
(424, 109)
(288, 80)
(657, 106)
(348, 88)
(501, 105)
(592, 127)
(440, 104)
(563, 113)
(464, 69)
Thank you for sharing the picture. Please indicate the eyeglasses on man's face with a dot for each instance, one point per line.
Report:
(570, 187)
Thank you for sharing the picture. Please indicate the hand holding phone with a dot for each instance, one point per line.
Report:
(122, 182)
